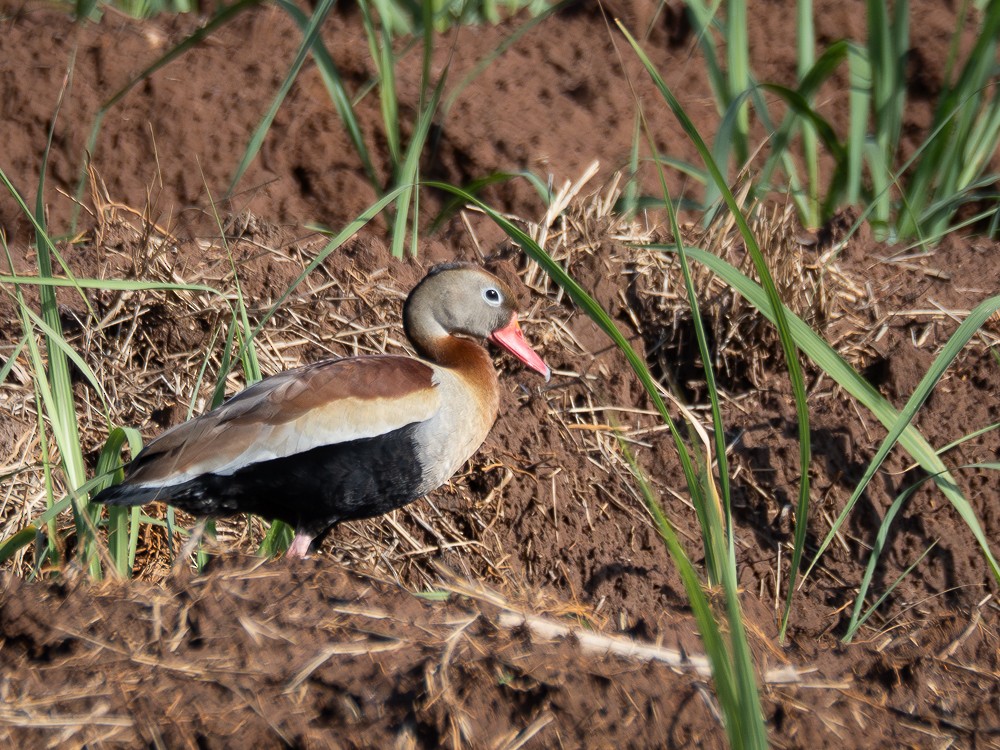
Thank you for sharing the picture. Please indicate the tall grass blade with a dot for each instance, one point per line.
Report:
(942, 361)
(859, 102)
(885, 594)
(16, 542)
(12, 358)
(409, 173)
(720, 553)
(123, 523)
(59, 343)
(731, 670)
(123, 285)
(226, 14)
(454, 203)
(827, 359)
(738, 68)
(704, 20)
(735, 678)
(806, 38)
(857, 619)
(802, 114)
(888, 45)
(380, 48)
(262, 129)
(744, 717)
(959, 109)
(337, 90)
(780, 320)
(55, 383)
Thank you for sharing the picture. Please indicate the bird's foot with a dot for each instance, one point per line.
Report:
(299, 548)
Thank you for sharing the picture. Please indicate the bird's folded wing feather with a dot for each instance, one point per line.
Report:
(329, 402)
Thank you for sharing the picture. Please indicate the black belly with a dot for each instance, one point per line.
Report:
(316, 489)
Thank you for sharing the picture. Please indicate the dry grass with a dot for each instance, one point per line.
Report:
(344, 627)
(151, 348)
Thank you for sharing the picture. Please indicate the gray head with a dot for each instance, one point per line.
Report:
(465, 300)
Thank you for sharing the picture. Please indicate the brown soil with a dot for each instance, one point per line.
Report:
(337, 651)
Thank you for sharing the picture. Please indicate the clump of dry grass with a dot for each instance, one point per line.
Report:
(158, 354)
(744, 344)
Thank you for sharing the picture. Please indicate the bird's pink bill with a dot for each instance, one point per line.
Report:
(512, 339)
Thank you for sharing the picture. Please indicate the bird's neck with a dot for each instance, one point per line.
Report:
(460, 354)
(466, 358)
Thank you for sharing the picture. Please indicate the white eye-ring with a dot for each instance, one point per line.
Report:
(492, 296)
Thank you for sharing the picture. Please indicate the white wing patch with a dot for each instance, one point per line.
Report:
(230, 438)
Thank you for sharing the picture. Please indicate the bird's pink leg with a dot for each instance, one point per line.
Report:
(299, 548)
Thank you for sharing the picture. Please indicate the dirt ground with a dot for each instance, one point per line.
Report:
(550, 615)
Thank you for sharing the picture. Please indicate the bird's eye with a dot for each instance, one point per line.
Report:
(492, 296)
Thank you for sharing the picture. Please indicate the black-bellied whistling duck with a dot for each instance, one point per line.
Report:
(346, 438)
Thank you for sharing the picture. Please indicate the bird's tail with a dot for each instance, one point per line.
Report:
(130, 494)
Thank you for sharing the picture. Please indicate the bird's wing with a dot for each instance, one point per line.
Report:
(324, 403)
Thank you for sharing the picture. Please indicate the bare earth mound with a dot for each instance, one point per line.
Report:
(338, 651)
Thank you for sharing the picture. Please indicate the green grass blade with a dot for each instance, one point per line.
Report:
(409, 173)
(48, 401)
(743, 718)
(454, 203)
(16, 542)
(859, 101)
(888, 44)
(124, 285)
(59, 343)
(738, 58)
(120, 545)
(9, 364)
(703, 19)
(53, 379)
(799, 106)
(806, 37)
(380, 47)
(857, 619)
(820, 71)
(748, 730)
(224, 16)
(968, 328)
(720, 553)
(241, 321)
(780, 319)
(337, 91)
(226, 363)
(40, 388)
(84, 9)
(276, 540)
(959, 107)
(827, 359)
(629, 202)
(965, 438)
(262, 129)
(885, 595)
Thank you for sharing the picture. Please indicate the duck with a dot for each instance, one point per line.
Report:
(348, 438)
